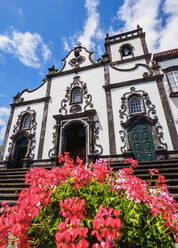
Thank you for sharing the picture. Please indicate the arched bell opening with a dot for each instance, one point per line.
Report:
(74, 140)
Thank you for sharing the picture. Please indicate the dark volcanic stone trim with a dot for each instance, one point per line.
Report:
(131, 82)
(8, 127)
(168, 114)
(145, 48)
(43, 99)
(171, 68)
(124, 36)
(112, 142)
(87, 113)
(146, 57)
(74, 70)
(44, 121)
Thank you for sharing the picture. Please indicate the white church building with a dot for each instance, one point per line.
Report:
(124, 105)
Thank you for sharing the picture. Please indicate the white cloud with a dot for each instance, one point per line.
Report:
(144, 13)
(27, 47)
(4, 115)
(160, 27)
(91, 29)
(168, 35)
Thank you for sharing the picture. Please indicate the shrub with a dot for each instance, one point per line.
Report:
(77, 205)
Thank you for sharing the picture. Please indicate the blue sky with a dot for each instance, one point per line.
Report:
(34, 35)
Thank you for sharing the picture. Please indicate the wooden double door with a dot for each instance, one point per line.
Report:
(141, 141)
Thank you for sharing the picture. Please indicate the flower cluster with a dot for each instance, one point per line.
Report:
(70, 233)
(77, 205)
(106, 226)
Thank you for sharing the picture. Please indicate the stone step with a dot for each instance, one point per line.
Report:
(13, 180)
(161, 170)
(7, 197)
(173, 188)
(151, 166)
(13, 185)
(175, 196)
(169, 182)
(10, 202)
(10, 190)
(167, 175)
(11, 176)
(13, 173)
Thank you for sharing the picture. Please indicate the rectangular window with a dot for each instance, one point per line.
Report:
(173, 81)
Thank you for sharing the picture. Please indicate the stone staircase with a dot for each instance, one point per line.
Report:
(12, 180)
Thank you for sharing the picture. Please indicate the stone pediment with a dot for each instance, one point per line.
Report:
(77, 58)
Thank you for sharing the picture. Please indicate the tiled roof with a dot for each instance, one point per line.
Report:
(165, 54)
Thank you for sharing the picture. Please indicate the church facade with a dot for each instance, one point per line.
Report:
(124, 105)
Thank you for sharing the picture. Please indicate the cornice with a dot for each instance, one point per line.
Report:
(131, 82)
(87, 113)
(43, 99)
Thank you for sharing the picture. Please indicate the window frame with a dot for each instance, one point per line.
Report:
(24, 117)
(71, 95)
(168, 74)
(142, 107)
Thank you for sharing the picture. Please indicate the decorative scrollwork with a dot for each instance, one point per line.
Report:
(122, 112)
(75, 62)
(123, 140)
(147, 74)
(148, 113)
(86, 99)
(148, 108)
(98, 151)
(29, 132)
(52, 151)
(75, 109)
(160, 136)
(151, 107)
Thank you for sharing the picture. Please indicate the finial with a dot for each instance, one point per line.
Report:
(79, 44)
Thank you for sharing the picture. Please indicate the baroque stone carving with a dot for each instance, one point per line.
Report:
(149, 108)
(123, 140)
(146, 74)
(160, 135)
(99, 149)
(78, 59)
(149, 113)
(86, 102)
(29, 133)
(53, 151)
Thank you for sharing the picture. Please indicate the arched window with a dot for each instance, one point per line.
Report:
(76, 95)
(26, 121)
(135, 105)
(126, 50)
(173, 81)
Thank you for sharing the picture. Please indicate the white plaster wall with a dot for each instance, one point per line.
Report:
(136, 43)
(122, 76)
(152, 90)
(35, 94)
(38, 108)
(94, 78)
(168, 63)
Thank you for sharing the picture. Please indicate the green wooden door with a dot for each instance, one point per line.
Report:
(141, 140)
